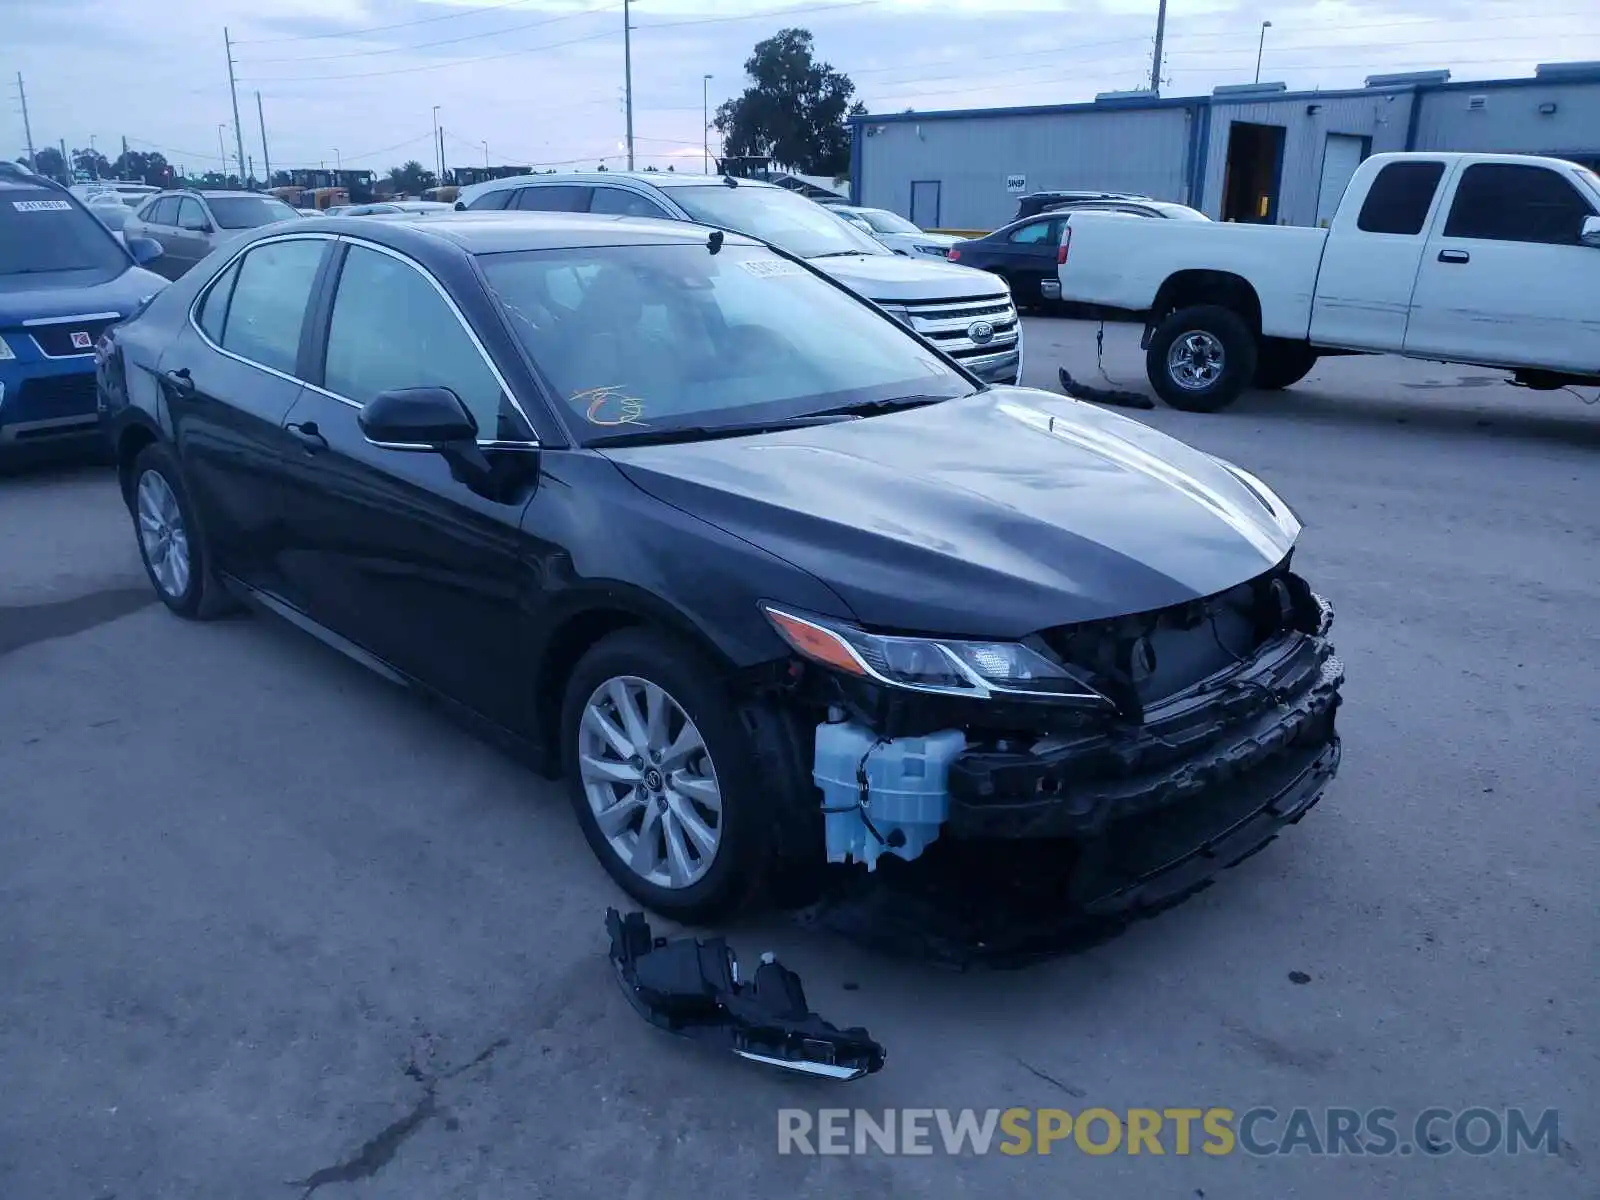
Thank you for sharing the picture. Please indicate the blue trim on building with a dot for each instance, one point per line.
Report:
(857, 163)
(1413, 121)
(1417, 90)
(1197, 185)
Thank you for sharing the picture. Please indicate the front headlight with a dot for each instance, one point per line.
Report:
(936, 251)
(946, 666)
(898, 312)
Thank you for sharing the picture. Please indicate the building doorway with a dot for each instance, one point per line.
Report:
(925, 203)
(1254, 172)
(1342, 153)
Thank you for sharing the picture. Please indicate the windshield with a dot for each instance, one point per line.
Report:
(247, 212)
(887, 222)
(652, 338)
(41, 230)
(789, 221)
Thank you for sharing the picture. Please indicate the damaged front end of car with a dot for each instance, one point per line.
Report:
(1124, 762)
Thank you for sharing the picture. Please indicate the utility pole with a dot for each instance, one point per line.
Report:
(705, 122)
(66, 163)
(1161, 36)
(222, 149)
(266, 156)
(238, 131)
(486, 156)
(27, 128)
(438, 147)
(627, 72)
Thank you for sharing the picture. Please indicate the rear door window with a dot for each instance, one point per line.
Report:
(1508, 202)
(556, 197)
(1400, 197)
(269, 302)
(1035, 233)
(620, 202)
(493, 201)
(214, 308)
(190, 215)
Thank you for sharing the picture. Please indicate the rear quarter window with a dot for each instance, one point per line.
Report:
(1400, 197)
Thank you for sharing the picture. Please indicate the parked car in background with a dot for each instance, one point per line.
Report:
(390, 208)
(190, 225)
(110, 208)
(967, 314)
(1486, 259)
(64, 278)
(1024, 252)
(769, 581)
(1035, 203)
(129, 193)
(895, 232)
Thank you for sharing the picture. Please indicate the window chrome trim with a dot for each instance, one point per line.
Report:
(318, 236)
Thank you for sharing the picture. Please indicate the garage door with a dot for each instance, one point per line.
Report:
(1340, 157)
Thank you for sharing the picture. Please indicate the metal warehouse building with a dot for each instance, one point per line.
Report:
(1251, 152)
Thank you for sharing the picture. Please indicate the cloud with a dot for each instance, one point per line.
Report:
(540, 81)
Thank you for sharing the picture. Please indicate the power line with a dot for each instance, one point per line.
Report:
(317, 37)
(771, 12)
(459, 62)
(443, 42)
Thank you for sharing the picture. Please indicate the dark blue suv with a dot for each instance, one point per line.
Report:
(64, 278)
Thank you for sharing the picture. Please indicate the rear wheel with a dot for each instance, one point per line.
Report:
(172, 543)
(1199, 359)
(1283, 364)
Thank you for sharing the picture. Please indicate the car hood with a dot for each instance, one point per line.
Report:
(890, 279)
(993, 516)
(73, 293)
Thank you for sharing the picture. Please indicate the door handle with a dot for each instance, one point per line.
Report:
(1454, 256)
(309, 436)
(179, 381)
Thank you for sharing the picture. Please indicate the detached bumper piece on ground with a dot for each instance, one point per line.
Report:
(691, 988)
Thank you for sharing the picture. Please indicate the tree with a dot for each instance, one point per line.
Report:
(411, 179)
(794, 110)
(151, 168)
(48, 161)
(92, 163)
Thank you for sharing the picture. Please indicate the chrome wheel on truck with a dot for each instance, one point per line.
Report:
(1199, 359)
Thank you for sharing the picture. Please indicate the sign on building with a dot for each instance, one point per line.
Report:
(1016, 184)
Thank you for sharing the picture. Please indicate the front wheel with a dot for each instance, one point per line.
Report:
(1200, 359)
(667, 780)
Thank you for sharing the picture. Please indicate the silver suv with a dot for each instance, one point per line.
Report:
(968, 314)
(190, 225)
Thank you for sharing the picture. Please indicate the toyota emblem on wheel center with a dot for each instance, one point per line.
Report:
(981, 332)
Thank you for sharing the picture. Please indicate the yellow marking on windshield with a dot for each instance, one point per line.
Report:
(629, 408)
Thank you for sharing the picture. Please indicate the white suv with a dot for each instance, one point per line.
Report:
(965, 313)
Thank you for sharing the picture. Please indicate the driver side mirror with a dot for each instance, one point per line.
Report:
(144, 249)
(423, 418)
(196, 227)
(1590, 236)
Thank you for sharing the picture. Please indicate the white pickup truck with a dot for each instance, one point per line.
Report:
(1488, 259)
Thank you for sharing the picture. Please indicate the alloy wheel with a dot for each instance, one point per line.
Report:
(162, 534)
(1196, 360)
(650, 782)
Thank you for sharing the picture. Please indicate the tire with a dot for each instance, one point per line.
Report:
(171, 541)
(1217, 364)
(760, 786)
(1283, 364)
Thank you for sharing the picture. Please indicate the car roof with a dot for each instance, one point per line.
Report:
(661, 179)
(503, 232)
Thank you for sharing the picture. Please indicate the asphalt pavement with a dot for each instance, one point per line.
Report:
(271, 927)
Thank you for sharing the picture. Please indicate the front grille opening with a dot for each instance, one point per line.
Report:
(1147, 657)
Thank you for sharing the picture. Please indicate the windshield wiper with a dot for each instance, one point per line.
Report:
(839, 254)
(704, 433)
(874, 407)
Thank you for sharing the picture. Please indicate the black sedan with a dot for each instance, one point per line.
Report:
(768, 578)
(1026, 251)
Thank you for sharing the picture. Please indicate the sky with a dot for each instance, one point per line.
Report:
(540, 82)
